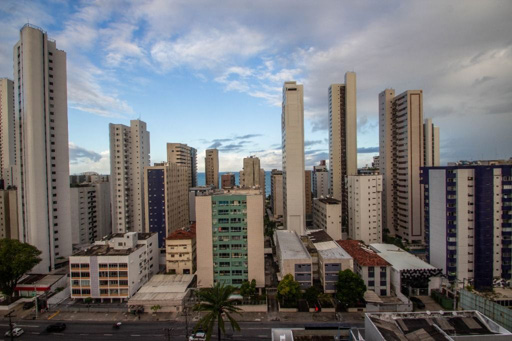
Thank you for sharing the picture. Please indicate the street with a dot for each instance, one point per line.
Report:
(36, 330)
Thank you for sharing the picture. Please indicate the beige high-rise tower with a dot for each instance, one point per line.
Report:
(342, 140)
(129, 154)
(292, 128)
(431, 144)
(7, 132)
(250, 175)
(401, 156)
(42, 150)
(211, 167)
(183, 155)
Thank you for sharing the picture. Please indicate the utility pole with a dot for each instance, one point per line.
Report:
(10, 316)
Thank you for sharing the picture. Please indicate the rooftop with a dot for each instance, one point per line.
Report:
(399, 258)
(163, 288)
(329, 201)
(105, 250)
(290, 245)
(37, 279)
(318, 236)
(362, 255)
(183, 233)
(435, 325)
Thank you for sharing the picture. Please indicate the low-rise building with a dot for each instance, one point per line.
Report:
(115, 267)
(293, 258)
(327, 216)
(180, 251)
(373, 269)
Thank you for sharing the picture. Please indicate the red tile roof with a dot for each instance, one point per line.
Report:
(184, 233)
(362, 253)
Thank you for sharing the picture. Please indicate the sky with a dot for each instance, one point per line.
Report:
(210, 73)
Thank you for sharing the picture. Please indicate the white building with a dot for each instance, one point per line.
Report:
(292, 128)
(364, 205)
(342, 139)
(114, 268)
(7, 132)
(327, 216)
(180, 251)
(293, 258)
(129, 154)
(42, 151)
(90, 212)
(320, 181)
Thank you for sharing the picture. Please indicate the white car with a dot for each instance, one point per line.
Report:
(15, 332)
(198, 336)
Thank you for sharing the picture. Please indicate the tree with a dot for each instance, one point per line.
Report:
(289, 289)
(216, 302)
(156, 308)
(16, 258)
(248, 288)
(311, 295)
(350, 288)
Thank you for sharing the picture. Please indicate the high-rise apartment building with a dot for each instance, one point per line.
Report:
(320, 181)
(250, 175)
(292, 129)
(308, 195)
(229, 233)
(228, 180)
(276, 195)
(129, 154)
(431, 144)
(468, 222)
(166, 199)
(184, 155)
(7, 132)
(91, 219)
(364, 208)
(402, 153)
(9, 214)
(211, 167)
(327, 216)
(42, 151)
(342, 139)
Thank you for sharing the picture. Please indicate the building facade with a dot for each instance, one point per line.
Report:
(166, 199)
(129, 154)
(7, 132)
(91, 219)
(327, 216)
(308, 195)
(342, 139)
(228, 180)
(42, 151)
(184, 155)
(114, 268)
(292, 129)
(364, 205)
(180, 251)
(250, 175)
(276, 195)
(211, 167)
(293, 258)
(468, 222)
(230, 238)
(431, 144)
(320, 180)
(9, 214)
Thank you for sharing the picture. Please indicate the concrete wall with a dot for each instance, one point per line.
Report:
(204, 242)
(255, 240)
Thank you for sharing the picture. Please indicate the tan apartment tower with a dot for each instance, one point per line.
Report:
(42, 150)
(292, 129)
(211, 167)
(401, 147)
(228, 180)
(342, 139)
(250, 175)
(183, 155)
(129, 154)
(431, 144)
(276, 193)
(7, 132)
(320, 180)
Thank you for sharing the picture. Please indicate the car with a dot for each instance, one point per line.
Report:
(417, 302)
(15, 332)
(56, 327)
(199, 335)
(28, 305)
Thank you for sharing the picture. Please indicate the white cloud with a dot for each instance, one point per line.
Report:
(99, 163)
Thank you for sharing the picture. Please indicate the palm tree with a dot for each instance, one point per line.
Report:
(215, 301)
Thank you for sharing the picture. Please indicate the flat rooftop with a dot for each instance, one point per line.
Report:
(37, 279)
(437, 326)
(329, 201)
(168, 289)
(331, 250)
(318, 236)
(105, 250)
(290, 245)
(399, 258)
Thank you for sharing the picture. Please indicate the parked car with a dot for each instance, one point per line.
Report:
(56, 327)
(15, 332)
(28, 305)
(199, 335)
(417, 302)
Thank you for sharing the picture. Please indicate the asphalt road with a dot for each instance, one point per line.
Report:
(152, 331)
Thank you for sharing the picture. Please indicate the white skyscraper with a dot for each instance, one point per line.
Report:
(7, 132)
(42, 146)
(129, 154)
(292, 128)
